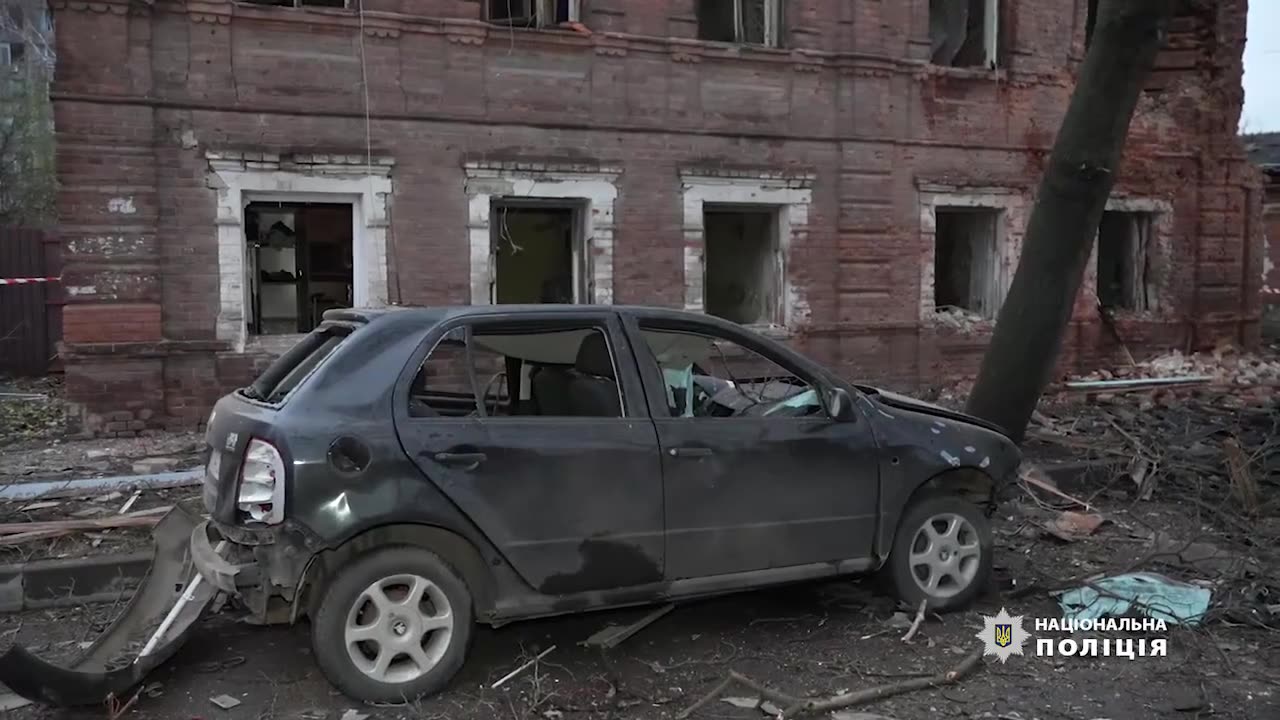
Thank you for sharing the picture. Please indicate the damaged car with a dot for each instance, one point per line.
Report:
(404, 474)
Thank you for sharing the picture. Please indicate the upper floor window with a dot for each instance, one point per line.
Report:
(533, 13)
(964, 33)
(749, 22)
(6, 54)
(344, 4)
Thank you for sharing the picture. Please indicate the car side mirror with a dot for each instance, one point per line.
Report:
(840, 405)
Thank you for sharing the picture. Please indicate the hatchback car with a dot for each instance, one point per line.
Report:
(403, 474)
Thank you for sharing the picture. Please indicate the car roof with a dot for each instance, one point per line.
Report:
(438, 313)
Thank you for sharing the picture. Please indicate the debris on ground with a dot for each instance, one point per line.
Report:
(226, 702)
(353, 715)
(1148, 594)
(614, 635)
(31, 409)
(794, 706)
(503, 680)
(1252, 377)
(1070, 526)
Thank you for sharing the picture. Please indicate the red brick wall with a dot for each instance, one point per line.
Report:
(141, 97)
(111, 323)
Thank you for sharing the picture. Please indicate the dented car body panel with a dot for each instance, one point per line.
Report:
(547, 515)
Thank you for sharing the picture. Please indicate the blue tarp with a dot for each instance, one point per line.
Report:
(1148, 594)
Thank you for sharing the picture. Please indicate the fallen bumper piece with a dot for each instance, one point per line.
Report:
(114, 664)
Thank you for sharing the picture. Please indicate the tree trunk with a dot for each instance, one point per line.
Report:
(1069, 205)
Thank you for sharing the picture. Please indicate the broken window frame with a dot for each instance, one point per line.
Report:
(775, 314)
(990, 39)
(303, 4)
(583, 278)
(1139, 292)
(992, 296)
(481, 390)
(724, 348)
(773, 17)
(539, 13)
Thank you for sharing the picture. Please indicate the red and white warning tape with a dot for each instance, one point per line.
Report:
(27, 281)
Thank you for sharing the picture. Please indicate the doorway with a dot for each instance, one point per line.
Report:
(298, 264)
(538, 252)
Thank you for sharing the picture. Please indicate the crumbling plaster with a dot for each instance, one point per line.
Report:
(790, 195)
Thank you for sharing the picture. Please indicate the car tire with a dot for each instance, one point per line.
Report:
(923, 550)
(365, 614)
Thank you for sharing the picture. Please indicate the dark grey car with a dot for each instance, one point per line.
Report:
(403, 474)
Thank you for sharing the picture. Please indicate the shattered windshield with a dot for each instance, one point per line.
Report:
(711, 377)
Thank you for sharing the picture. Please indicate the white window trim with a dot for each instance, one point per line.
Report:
(243, 178)
(1009, 228)
(990, 38)
(1159, 246)
(991, 34)
(6, 54)
(544, 12)
(792, 197)
(595, 188)
(772, 19)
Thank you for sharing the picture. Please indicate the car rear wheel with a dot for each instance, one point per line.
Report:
(393, 626)
(942, 552)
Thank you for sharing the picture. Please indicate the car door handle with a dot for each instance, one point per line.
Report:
(690, 452)
(471, 460)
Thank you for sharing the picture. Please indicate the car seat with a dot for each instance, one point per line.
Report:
(593, 390)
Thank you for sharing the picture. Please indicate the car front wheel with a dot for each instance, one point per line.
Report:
(942, 552)
(393, 626)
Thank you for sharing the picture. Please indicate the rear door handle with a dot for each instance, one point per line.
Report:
(690, 452)
(471, 460)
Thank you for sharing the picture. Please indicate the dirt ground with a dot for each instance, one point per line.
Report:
(38, 443)
(808, 639)
(1186, 487)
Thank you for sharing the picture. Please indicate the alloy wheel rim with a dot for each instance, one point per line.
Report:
(944, 555)
(398, 628)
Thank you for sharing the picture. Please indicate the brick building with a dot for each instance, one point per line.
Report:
(854, 176)
(1264, 151)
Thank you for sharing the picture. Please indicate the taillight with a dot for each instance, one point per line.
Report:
(262, 483)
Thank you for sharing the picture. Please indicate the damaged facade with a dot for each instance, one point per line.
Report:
(1264, 151)
(854, 177)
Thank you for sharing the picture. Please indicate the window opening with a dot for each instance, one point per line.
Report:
(747, 22)
(966, 267)
(512, 371)
(964, 33)
(533, 13)
(538, 253)
(708, 377)
(289, 370)
(742, 265)
(1124, 261)
(299, 264)
(305, 3)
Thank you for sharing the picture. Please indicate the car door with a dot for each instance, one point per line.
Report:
(570, 493)
(756, 474)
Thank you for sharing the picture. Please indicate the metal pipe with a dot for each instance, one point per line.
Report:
(1136, 382)
(188, 594)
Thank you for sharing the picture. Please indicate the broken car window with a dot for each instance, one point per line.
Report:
(712, 377)
(509, 370)
(443, 385)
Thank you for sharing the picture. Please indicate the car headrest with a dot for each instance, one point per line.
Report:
(593, 356)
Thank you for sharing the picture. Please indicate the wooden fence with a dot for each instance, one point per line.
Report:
(30, 314)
